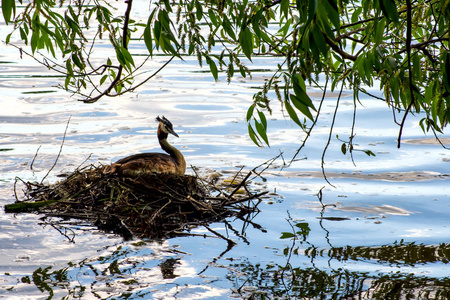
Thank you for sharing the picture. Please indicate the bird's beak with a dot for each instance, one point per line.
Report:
(174, 133)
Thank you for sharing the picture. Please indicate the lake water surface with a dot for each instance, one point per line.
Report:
(384, 230)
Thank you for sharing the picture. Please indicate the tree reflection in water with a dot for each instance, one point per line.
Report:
(127, 272)
(311, 283)
(296, 282)
(155, 269)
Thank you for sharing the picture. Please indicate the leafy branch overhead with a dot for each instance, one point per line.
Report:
(401, 46)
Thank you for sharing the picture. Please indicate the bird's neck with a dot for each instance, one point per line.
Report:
(171, 150)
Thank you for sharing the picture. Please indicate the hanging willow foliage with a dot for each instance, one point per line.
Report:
(400, 45)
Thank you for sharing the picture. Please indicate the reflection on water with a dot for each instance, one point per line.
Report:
(383, 234)
(163, 270)
(204, 107)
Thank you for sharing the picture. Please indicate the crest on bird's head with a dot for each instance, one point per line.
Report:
(166, 125)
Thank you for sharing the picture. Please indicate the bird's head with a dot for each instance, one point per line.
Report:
(165, 125)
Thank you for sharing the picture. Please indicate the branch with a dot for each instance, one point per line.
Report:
(313, 124)
(59, 153)
(322, 164)
(336, 48)
(408, 52)
(120, 68)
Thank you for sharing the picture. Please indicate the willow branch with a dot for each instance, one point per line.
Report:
(308, 133)
(322, 164)
(120, 68)
(408, 53)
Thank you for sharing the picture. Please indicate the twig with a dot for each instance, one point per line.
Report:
(329, 136)
(60, 150)
(229, 241)
(78, 168)
(268, 163)
(240, 184)
(34, 158)
(228, 226)
(402, 124)
(15, 187)
(148, 78)
(308, 133)
(245, 199)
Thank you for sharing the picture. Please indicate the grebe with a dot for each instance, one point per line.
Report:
(136, 164)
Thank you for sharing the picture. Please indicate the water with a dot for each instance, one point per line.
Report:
(384, 227)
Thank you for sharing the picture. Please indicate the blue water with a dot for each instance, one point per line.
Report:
(399, 195)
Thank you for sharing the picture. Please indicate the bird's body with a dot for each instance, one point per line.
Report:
(142, 163)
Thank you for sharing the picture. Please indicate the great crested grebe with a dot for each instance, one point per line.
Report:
(136, 164)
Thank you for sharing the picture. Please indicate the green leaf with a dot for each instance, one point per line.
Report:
(212, 67)
(8, 38)
(23, 35)
(167, 5)
(127, 56)
(287, 235)
(148, 39)
(164, 18)
(246, 42)
(255, 23)
(242, 71)
(298, 80)
(212, 17)
(417, 67)
(253, 135)
(67, 82)
(250, 112)
(446, 72)
(356, 14)
(103, 79)
(369, 153)
(284, 7)
(118, 88)
(389, 8)
(379, 31)
(285, 28)
(344, 148)
(303, 225)
(292, 114)
(69, 68)
(8, 9)
(263, 119)
(359, 64)
(106, 14)
(228, 28)
(34, 41)
(262, 132)
(76, 60)
(300, 90)
(319, 40)
(121, 58)
(301, 107)
(304, 229)
(312, 6)
(333, 12)
(198, 10)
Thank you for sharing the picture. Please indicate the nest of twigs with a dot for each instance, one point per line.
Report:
(150, 205)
